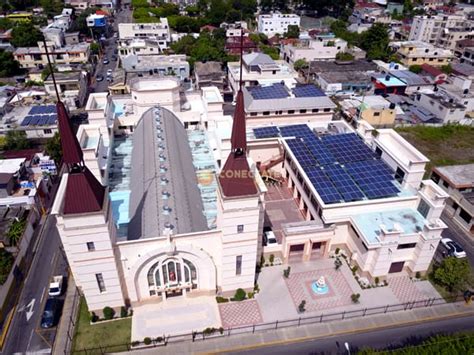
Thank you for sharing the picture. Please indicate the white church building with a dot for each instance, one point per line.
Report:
(164, 199)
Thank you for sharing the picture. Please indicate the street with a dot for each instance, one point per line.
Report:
(457, 234)
(24, 334)
(379, 339)
(110, 46)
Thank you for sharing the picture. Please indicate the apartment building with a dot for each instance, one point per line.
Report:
(35, 57)
(458, 182)
(324, 47)
(144, 38)
(442, 106)
(374, 109)
(419, 53)
(157, 65)
(276, 23)
(441, 30)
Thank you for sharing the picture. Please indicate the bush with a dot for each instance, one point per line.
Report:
(354, 269)
(418, 275)
(337, 263)
(220, 299)
(221, 330)
(159, 339)
(135, 343)
(250, 295)
(262, 260)
(239, 295)
(256, 288)
(301, 307)
(271, 259)
(337, 251)
(355, 297)
(108, 312)
(147, 341)
(377, 280)
(209, 331)
(286, 272)
(94, 317)
(123, 312)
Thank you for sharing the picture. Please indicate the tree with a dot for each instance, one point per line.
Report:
(25, 34)
(79, 24)
(375, 41)
(16, 231)
(453, 273)
(52, 7)
(271, 51)
(16, 140)
(300, 64)
(95, 48)
(415, 68)
(293, 31)
(6, 263)
(217, 12)
(335, 8)
(344, 57)
(447, 69)
(8, 65)
(53, 148)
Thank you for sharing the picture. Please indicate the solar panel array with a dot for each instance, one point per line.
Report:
(309, 90)
(266, 132)
(341, 167)
(275, 91)
(41, 116)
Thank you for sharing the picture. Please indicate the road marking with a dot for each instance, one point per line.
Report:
(31, 337)
(343, 332)
(42, 295)
(29, 312)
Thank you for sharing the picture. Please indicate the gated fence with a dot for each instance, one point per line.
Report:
(211, 333)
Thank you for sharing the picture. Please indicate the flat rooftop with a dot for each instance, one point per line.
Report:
(346, 77)
(408, 221)
(336, 66)
(457, 175)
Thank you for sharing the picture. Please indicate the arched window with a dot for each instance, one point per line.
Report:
(169, 273)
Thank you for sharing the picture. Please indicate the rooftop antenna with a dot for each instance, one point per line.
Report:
(51, 69)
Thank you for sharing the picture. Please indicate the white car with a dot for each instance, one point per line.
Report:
(454, 248)
(270, 238)
(109, 72)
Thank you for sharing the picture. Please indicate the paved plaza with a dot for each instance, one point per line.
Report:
(177, 315)
(240, 313)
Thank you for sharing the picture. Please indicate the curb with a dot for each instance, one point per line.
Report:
(354, 331)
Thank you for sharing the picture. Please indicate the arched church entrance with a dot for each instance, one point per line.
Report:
(172, 276)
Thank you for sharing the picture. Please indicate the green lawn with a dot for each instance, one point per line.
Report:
(446, 145)
(100, 335)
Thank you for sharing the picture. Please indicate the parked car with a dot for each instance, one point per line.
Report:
(454, 248)
(106, 60)
(110, 79)
(51, 312)
(269, 239)
(99, 77)
(114, 57)
(109, 72)
(56, 286)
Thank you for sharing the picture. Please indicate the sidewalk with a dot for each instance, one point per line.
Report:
(314, 331)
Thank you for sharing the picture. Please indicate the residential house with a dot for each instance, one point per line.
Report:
(418, 53)
(145, 38)
(374, 109)
(209, 74)
(73, 87)
(159, 65)
(320, 48)
(442, 106)
(458, 182)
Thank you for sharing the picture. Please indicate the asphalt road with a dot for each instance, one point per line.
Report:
(123, 16)
(25, 334)
(457, 234)
(380, 339)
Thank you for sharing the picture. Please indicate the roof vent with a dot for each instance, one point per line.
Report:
(166, 209)
(163, 168)
(427, 50)
(162, 157)
(165, 194)
(387, 77)
(466, 91)
(164, 180)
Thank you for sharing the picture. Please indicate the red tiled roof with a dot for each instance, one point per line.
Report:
(210, 28)
(235, 178)
(28, 154)
(431, 70)
(84, 194)
(72, 152)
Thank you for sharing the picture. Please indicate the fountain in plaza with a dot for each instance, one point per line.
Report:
(320, 287)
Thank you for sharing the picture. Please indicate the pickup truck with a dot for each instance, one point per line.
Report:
(55, 286)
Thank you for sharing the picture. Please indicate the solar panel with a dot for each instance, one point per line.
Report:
(51, 109)
(42, 120)
(319, 150)
(323, 185)
(266, 132)
(275, 91)
(374, 177)
(52, 119)
(307, 91)
(34, 120)
(348, 148)
(301, 153)
(299, 130)
(26, 121)
(344, 183)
